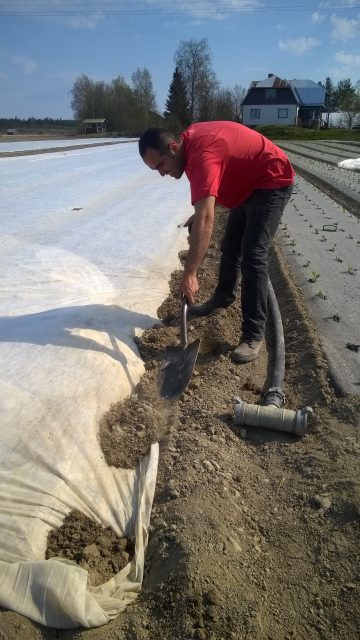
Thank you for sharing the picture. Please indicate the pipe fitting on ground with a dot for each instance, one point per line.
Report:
(274, 396)
(272, 417)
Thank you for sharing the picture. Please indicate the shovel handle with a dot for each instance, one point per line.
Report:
(183, 318)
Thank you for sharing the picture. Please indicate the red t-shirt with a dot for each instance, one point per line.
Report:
(229, 161)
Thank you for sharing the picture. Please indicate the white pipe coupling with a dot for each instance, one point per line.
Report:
(270, 417)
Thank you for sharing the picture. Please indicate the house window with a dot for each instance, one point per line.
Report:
(283, 113)
(270, 94)
(255, 114)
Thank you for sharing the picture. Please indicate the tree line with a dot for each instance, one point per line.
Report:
(28, 125)
(194, 94)
(344, 97)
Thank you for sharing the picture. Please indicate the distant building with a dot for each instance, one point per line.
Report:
(95, 125)
(274, 101)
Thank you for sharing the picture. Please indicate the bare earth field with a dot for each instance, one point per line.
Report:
(255, 534)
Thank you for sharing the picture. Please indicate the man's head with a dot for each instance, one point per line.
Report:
(162, 151)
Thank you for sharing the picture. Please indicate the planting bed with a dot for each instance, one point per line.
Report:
(326, 151)
(321, 241)
(325, 166)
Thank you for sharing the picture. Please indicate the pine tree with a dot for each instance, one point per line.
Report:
(344, 94)
(177, 104)
(329, 86)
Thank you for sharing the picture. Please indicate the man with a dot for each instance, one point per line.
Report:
(242, 170)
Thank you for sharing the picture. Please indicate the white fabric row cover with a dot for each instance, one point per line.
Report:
(57, 592)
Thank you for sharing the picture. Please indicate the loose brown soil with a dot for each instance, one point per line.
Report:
(96, 549)
(254, 533)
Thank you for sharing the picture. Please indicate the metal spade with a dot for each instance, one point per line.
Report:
(178, 363)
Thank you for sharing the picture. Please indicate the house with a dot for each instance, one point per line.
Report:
(284, 102)
(95, 125)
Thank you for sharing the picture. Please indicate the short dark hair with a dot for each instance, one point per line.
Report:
(156, 138)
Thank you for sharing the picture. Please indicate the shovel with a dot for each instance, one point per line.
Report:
(178, 363)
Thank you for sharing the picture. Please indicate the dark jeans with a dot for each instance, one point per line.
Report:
(245, 249)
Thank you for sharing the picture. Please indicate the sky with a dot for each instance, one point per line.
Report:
(46, 44)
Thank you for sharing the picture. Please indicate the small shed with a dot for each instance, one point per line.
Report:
(95, 125)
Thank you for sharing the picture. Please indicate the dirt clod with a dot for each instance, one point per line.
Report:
(95, 548)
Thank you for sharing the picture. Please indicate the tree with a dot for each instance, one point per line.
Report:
(144, 92)
(193, 60)
(123, 108)
(330, 89)
(81, 102)
(350, 112)
(347, 100)
(343, 93)
(223, 108)
(177, 103)
(88, 98)
(238, 95)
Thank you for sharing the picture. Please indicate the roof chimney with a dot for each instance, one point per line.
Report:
(270, 75)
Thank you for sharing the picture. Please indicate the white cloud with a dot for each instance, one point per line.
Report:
(81, 14)
(208, 8)
(317, 18)
(339, 3)
(348, 59)
(344, 29)
(298, 46)
(76, 14)
(89, 21)
(27, 64)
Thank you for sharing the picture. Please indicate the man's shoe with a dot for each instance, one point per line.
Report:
(206, 308)
(247, 351)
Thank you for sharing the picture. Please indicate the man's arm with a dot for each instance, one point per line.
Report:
(201, 232)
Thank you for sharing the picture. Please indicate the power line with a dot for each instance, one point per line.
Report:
(134, 8)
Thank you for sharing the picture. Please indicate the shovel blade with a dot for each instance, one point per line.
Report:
(176, 370)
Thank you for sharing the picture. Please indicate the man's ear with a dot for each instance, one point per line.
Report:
(173, 147)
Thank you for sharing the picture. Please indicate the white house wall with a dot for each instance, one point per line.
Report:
(269, 114)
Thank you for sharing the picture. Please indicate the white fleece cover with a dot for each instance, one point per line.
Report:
(353, 164)
(88, 241)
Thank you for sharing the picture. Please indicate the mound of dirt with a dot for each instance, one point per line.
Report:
(96, 549)
(254, 533)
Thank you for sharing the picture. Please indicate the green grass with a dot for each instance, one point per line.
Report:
(297, 133)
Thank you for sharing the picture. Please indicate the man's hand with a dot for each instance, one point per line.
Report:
(189, 286)
(189, 224)
(201, 226)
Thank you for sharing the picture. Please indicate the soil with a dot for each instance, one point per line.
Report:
(254, 533)
(96, 549)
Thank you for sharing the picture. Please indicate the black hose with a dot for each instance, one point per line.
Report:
(275, 395)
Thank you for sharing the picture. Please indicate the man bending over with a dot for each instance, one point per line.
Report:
(237, 167)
